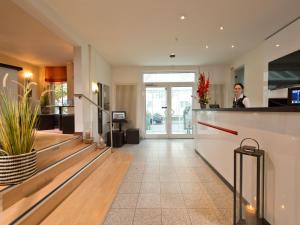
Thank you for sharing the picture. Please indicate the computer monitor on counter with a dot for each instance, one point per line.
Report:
(118, 115)
(294, 96)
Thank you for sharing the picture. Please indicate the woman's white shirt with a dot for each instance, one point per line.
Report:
(246, 100)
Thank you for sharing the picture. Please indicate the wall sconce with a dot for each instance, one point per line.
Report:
(95, 88)
(27, 75)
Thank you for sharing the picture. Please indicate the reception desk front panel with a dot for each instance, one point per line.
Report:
(218, 133)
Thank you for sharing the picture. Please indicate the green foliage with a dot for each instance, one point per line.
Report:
(60, 91)
(17, 122)
(148, 118)
(45, 99)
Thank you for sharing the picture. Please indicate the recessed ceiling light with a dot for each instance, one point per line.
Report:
(182, 17)
(277, 45)
(206, 46)
(221, 28)
(232, 46)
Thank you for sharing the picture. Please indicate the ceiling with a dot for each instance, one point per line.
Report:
(140, 32)
(24, 38)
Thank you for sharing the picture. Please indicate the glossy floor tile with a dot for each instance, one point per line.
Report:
(169, 184)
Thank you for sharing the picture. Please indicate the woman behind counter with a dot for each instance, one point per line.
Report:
(240, 100)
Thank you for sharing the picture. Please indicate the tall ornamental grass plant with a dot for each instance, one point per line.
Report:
(17, 121)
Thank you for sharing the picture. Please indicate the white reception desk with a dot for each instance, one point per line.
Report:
(278, 132)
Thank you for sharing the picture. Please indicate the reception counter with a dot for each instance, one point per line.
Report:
(217, 132)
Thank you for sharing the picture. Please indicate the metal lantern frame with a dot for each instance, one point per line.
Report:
(259, 154)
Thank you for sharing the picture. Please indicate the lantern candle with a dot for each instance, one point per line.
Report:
(250, 209)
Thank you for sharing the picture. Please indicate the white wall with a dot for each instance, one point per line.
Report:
(100, 72)
(133, 75)
(89, 66)
(10, 86)
(256, 63)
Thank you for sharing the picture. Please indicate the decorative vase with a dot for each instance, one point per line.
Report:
(202, 105)
(16, 168)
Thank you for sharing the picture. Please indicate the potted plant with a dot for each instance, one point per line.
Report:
(202, 91)
(45, 102)
(17, 133)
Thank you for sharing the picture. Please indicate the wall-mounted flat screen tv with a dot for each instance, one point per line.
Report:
(285, 71)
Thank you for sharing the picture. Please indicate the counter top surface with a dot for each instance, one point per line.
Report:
(256, 109)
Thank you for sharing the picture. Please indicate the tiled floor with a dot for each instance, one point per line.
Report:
(169, 184)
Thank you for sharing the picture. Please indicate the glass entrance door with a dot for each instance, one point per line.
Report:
(169, 111)
(181, 111)
(156, 111)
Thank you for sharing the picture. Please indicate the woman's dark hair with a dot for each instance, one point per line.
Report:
(240, 84)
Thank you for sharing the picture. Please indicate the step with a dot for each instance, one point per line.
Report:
(56, 152)
(52, 193)
(45, 139)
(48, 203)
(103, 183)
(51, 151)
(14, 193)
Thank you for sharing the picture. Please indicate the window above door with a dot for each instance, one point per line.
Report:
(168, 77)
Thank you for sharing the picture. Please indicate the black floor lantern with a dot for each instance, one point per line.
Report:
(239, 211)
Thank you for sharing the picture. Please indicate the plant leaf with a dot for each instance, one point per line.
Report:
(4, 80)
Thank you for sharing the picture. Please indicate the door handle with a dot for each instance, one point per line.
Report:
(164, 107)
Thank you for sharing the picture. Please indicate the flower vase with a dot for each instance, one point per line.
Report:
(202, 105)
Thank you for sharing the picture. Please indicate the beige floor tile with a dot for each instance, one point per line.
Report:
(125, 201)
(170, 188)
(172, 201)
(191, 187)
(151, 178)
(217, 189)
(226, 217)
(188, 178)
(175, 217)
(130, 188)
(223, 201)
(204, 217)
(171, 185)
(151, 170)
(150, 187)
(134, 177)
(147, 217)
(148, 201)
(165, 177)
(197, 201)
(119, 217)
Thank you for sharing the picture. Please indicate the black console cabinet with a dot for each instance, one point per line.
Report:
(118, 138)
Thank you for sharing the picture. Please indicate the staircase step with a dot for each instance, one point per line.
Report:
(45, 139)
(50, 151)
(43, 200)
(48, 203)
(91, 201)
(54, 153)
(15, 193)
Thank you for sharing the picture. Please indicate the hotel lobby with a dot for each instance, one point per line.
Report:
(149, 112)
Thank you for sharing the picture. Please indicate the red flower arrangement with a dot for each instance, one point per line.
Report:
(203, 86)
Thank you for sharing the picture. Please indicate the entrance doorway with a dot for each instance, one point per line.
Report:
(168, 109)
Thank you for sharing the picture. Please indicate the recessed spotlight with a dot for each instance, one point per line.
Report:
(182, 17)
(221, 28)
(206, 46)
(172, 55)
(283, 206)
(277, 45)
(232, 46)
